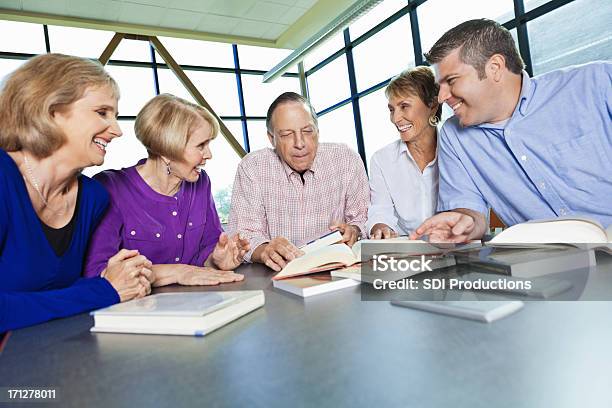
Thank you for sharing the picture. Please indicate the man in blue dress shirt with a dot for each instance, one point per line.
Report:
(529, 148)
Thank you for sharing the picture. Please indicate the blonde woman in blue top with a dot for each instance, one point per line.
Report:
(58, 114)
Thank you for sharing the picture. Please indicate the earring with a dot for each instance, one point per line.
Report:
(434, 120)
(168, 168)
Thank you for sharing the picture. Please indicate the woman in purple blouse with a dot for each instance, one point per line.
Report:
(163, 206)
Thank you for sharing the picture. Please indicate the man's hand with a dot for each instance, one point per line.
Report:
(229, 252)
(382, 231)
(276, 253)
(350, 233)
(452, 226)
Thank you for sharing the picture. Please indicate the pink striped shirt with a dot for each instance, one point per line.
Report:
(270, 200)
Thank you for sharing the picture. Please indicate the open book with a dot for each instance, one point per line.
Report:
(576, 231)
(339, 255)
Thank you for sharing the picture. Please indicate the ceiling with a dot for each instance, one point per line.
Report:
(270, 23)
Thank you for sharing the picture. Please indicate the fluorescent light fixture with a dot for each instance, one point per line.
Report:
(351, 14)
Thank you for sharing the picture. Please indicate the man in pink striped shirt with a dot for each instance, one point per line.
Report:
(298, 191)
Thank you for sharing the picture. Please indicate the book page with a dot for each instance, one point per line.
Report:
(560, 231)
(336, 253)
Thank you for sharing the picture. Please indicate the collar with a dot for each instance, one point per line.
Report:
(403, 149)
(527, 91)
(525, 97)
(316, 164)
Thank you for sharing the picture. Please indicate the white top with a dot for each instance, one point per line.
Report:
(401, 196)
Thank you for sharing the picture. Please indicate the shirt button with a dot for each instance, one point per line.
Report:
(191, 224)
(174, 213)
(562, 211)
(177, 259)
(543, 185)
(132, 232)
(524, 158)
(179, 236)
(158, 235)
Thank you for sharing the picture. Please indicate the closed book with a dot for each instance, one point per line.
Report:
(314, 284)
(526, 262)
(484, 311)
(184, 313)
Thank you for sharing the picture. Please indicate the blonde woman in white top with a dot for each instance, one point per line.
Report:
(404, 174)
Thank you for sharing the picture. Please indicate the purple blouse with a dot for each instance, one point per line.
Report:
(181, 229)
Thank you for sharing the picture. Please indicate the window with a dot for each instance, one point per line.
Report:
(258, 95)
(194, 52)
(384, 55)
(132, 50)
(234, 126)
(338, 126)
(124, 151)
(22, 37)
(553, 48)
(78, 41)
(262, 58)
(222, 169)
(7, 66)
(373, 17)
(438, 16)
(378, 131)
(531, 4)
(136, 86)
(324, 50)
(258, 135)
(219, 89)
(329, 85)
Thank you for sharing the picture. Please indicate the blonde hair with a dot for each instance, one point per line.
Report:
(45, 84)
(165, 123)
(419, 81)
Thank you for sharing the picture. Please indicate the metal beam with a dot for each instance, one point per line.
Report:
(303, 83)
(355, 102)
(180, 74)
(110, 48)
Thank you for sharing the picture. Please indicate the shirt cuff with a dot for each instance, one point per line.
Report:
(470, 205)
(381, 220)
(254, 242)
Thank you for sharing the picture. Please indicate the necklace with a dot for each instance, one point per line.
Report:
(34, 182)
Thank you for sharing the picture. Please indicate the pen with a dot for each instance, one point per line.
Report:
(316, 239)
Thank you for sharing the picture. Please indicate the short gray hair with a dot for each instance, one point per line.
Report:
(287, 97)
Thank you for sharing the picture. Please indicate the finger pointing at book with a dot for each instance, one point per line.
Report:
(447, 227)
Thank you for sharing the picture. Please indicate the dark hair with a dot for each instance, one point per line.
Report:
(479, 40)
(287, 97)
(417, 81)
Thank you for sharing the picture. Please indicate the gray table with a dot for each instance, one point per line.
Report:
(329, 350)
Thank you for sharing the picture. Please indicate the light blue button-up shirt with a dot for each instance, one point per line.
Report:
(552, 158)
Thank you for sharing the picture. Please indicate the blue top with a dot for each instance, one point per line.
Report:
(35, 284)
(552, 158)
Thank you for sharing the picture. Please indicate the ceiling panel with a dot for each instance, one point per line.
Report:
(276, 23)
